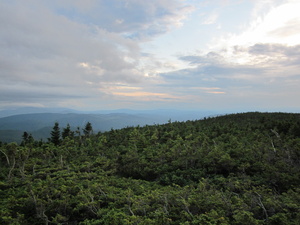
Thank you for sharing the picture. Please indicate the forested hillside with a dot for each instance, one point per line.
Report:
(233, 169)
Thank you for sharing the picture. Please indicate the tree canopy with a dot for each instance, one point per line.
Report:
(232, 169)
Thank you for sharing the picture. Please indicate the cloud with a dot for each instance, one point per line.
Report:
(279, 25)
(147, 96)
(210, 90)
(205, 59)
(239, 66)
(27, 95)
(135, 18)
(267, 49)
(90, 52)
(241, 73)
(291, 28)
(72, 49)
(211, 19)
(277, 52)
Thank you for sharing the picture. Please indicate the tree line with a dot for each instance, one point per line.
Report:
(57, 136)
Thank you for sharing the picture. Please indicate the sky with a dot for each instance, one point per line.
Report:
(238, 55)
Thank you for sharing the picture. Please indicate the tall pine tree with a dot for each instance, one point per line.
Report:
(88, 130)
(67, 132)
(55, 134)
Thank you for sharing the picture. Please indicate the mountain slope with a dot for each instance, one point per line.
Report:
(233, 169)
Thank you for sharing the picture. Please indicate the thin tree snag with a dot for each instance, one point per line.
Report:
(7, 159)
(262, 205)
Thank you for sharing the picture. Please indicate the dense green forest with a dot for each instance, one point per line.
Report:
(232, 169)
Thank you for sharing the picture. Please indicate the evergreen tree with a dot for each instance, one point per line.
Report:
(26, 138)
(88, 130)
(67, 132)
(55, 134)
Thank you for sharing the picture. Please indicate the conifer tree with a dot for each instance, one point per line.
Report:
(67, 132)
(88, 129)
(26, 138)
(55, 134)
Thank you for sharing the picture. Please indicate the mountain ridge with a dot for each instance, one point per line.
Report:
(34, 119)
(32, 123)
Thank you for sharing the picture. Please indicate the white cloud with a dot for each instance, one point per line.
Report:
(280, 25)
(260, 63)
(211, 19)
(135, 18)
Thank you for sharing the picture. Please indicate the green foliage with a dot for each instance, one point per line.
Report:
(88, 129)
(233, 169)
(55, 134)
(67, 132)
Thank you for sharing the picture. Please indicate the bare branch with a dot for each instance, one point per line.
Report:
(7, 159)
(262, 205)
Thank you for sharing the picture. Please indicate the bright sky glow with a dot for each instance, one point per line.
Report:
(241, 55)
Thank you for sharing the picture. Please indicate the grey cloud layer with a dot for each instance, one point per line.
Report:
(63, 49)
(60, 50)
(276, 75)
(134, 17)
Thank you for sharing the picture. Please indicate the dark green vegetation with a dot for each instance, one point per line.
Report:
(234, 169)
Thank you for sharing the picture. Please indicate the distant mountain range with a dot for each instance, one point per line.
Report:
(31, 110)
(39, 121)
